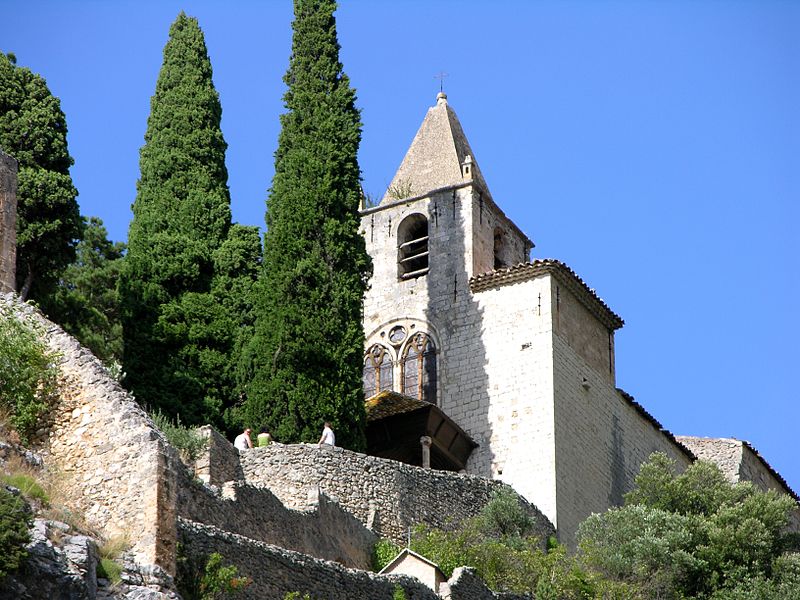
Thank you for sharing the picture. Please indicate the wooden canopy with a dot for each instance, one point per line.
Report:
(395, 424)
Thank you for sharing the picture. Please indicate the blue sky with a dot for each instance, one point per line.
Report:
(652, 146)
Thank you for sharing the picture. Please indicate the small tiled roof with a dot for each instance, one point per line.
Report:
(526, 271)
(388, 404)
(408, 552)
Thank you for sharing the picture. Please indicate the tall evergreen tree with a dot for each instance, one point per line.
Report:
(86, 301)
(33, 129)
(176, 347)
(305, 359)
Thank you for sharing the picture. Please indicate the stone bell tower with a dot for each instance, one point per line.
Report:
(516, 355)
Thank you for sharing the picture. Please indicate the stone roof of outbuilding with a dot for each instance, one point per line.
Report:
(697, 444)
(525, 271)
(435, 157)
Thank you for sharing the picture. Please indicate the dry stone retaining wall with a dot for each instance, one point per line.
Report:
(325, 531)
(385, 495)
(275, 571)
(117, 468)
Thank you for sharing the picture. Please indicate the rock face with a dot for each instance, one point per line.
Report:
(63, 571)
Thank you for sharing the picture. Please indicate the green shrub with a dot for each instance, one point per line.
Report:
(399, 593)
(504, 516)
(109, 569)
(14, 523)
(187, 441)
(206, 578)
(26, 484)
(27, 374)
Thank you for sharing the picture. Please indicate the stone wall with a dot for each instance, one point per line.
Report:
(116, 467)
(323, 529)
(220, 462)
(275, 572)
(602, 436)
(8, 223)
(387, 496)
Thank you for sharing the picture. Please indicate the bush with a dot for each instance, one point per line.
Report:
(14, 523)
(27, 373)
(695, 535)
(383, 552)
(188, 442)
(206, 578)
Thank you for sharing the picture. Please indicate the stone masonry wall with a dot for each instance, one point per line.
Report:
(323, 530)
(275, 572)
(116, 465)
(511, 413)
(220, 462)
(582, 331)
(8, 223)
(387, 496)
(601, 437)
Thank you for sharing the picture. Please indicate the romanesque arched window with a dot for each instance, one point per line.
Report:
(377, 371)
(412, 247)
(419, 368)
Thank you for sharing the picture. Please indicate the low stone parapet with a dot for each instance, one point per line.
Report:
(385, 495)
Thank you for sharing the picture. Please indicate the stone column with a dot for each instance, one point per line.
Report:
(8, 223)
(426, 451)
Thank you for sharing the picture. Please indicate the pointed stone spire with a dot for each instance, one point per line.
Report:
(439, 156)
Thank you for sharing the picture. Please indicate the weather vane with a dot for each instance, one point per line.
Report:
(441, 77)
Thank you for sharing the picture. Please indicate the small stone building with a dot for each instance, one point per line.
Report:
(408, 562)
(518, 353)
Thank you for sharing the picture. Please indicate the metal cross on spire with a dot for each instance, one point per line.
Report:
(440, 76)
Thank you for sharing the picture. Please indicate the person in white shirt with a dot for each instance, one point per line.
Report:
(243, 441)
(327, 435)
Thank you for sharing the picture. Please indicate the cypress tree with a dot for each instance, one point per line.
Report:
(33, 129)
(176, 348)
(305, 359)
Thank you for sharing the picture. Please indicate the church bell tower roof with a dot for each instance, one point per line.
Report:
(439, 157)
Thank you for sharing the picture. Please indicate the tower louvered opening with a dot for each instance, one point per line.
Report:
(412, 249)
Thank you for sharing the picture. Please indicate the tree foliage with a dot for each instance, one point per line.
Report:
(499, 545)
(27, 373)
(33, 129)
(86, 301)
(14, 535)
(304, 363)
(185, 263)
(694, 535)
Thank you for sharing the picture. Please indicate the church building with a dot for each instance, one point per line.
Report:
(480, 358)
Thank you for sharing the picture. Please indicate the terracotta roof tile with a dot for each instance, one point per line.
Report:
(526, 271)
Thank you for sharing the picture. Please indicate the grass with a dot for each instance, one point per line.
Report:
(28, 485)
(110, 551)
(109, 569)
